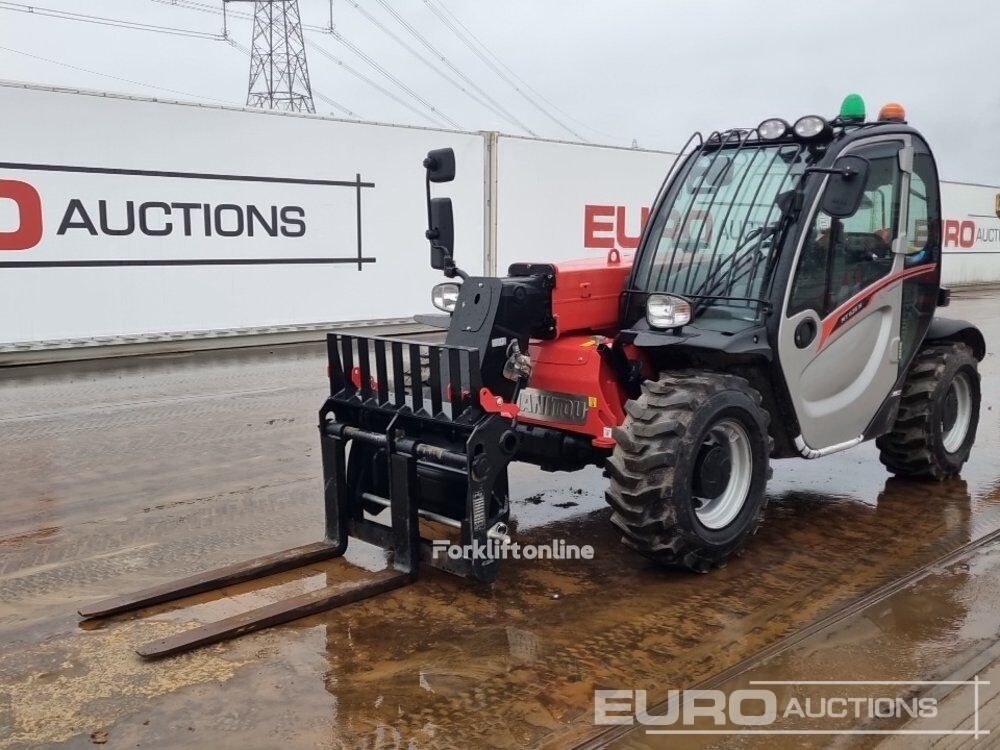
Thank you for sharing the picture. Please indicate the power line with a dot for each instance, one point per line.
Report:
(483, 99)
(464, 38)
(528, 86)
(65, 15)
(102, 21)
(335, 104)
(242, 48)
(442, 118)
(386, 74)
(204, 8)
(358, 74)
(108, 75)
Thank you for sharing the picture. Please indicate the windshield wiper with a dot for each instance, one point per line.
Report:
(705, 295)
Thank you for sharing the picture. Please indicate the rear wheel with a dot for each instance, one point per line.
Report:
(688, 474)
(938, 415)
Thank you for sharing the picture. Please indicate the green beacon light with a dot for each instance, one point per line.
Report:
(853, 108)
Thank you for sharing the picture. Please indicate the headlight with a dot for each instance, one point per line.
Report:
(772, 129)
(667, 311)
(810, 126)
(445, 296)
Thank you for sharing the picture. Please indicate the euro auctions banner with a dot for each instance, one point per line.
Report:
(971, 233)
(127, 217)
(106, 217)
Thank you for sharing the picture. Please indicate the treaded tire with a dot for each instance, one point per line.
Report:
(914, 448)
(651, 469)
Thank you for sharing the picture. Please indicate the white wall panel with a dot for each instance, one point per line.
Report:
(45, 134)
(971, 233)
(544, 189)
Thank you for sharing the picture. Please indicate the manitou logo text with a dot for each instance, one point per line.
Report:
(27, 203)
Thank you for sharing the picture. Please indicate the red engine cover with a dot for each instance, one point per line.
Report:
(587, 293)
(572, 387)
(572, 370)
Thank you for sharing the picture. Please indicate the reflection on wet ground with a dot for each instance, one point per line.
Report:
(942, 627)
(124, 474)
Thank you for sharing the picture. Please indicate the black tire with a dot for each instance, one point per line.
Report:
(915, 447)
(652, 468)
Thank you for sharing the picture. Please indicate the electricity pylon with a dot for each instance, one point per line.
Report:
(279, 76)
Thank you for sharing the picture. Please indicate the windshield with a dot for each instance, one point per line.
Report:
(714, 233)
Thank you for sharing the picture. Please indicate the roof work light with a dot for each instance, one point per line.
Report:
(853, 108)
(892, 112)
(810, 126)
(772, 129)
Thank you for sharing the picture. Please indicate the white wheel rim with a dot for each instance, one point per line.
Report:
(718, 512)
(955, 435)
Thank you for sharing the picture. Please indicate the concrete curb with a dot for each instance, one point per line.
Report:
(49, 352)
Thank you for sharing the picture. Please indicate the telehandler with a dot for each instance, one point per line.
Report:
(781, 303)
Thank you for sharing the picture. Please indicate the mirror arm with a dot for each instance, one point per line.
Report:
(847, 173)
(451, 270)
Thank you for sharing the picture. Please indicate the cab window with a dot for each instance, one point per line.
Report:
(840, 257)
(922, 223)
(923, 248)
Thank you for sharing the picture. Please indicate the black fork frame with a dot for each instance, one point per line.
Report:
(442, 426)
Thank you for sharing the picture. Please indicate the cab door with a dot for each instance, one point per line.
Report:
(838, 340)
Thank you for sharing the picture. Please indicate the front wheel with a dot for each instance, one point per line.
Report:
(688, 473)
(938, 414)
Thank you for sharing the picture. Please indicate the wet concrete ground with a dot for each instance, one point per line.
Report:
(941, 627)
(118, 475)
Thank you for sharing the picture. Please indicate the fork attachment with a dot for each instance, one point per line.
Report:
(420, 444)
(402, 430)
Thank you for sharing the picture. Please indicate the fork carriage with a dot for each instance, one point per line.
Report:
(403, 430)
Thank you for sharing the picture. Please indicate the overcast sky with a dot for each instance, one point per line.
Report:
(652, 70)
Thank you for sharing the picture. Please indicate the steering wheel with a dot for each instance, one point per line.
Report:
(862, 247)
(883, 247)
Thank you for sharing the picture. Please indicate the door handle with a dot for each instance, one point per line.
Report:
(805, 332)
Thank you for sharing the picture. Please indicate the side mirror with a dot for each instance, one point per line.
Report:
(845, 187)
(441, 234)
(440, 165)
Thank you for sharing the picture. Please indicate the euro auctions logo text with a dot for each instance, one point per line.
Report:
(749, 708)
(27, 213)
(22, 224)
(803, 707)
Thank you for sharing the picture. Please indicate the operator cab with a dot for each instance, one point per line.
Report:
(812, 246)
